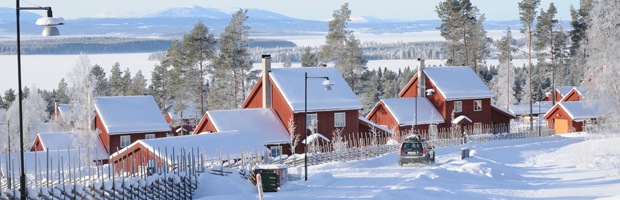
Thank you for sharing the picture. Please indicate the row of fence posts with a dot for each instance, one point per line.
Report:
(174, 176)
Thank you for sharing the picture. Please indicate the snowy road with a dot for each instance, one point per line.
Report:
(507, 169)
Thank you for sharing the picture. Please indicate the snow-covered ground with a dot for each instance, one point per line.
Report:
(560, 167)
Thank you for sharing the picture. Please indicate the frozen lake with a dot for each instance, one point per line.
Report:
(45, 71)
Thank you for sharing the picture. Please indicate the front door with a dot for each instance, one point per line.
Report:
(561, 126)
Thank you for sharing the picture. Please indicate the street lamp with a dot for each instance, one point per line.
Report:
(328, 86)
(50, 29)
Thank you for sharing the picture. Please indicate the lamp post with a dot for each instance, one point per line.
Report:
(328, 86)
(50, 29)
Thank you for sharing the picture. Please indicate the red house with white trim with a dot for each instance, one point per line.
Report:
(261, 124)
(575, 94)
(125, 119)
(571, 116)
(283, 90)
(399, 114)
(454, 92)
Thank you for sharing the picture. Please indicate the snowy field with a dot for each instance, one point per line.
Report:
(558, 167)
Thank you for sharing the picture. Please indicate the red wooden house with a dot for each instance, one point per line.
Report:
(65, 141)
(159, 152)
(575, 94)
(261, 124)
(571, 116)
(126, 119)
(560, 93)
(454, 92)
(283, 90)
(398, 114)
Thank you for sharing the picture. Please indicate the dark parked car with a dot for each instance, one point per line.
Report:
(415, 150)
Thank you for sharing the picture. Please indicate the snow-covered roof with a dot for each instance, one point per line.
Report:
(210, 144)
(290, 82)
(461, 118)
(524, 109)
(403, 110)
(64, 140)
(382, 128)
(313, 137)
(63, 108)
(502, 110)
(580, 110)
(262, 124)
(131, 114)
(565, 90)
(456, 83)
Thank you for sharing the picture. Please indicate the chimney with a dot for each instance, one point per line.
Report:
(421, 81)
(266, 83)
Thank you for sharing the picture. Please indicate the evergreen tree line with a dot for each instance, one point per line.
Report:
(97, 45)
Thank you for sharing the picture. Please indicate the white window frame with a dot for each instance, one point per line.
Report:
(278, 151)
(477, 105)
(310, 117)
(459, 108)
(149, 136)
(127, 139)
(340, 119)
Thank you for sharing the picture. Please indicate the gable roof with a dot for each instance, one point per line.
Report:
(461, 118)
(404, 109)
(230, 141)
(565, 90)
(131, 114)
(377, 126)
(540, 107)
(502, 111)
(456, 83)
(581, 91)
(579, 110)
(64, 140)
(290, 82)
(262, 124)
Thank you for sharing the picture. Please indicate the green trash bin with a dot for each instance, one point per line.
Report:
(270, 181)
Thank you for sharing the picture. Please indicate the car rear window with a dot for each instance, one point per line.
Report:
(412, 146)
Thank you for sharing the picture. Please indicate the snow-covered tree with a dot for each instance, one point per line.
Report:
(603, 61)
(34, 115)
(81, 110)
(138, 85)
(115, 84)
(502, 83)
(287, 63)
(338, 141)
(294, 137)
(308, 58)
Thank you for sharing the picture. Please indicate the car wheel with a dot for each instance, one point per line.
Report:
(400, 164)
(433, 160)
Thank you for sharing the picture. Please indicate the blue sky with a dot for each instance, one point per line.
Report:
(495, 10)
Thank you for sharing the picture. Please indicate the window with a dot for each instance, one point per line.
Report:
(458, 106)
(312, 120)
(432, 130)
(276, 151)
(340, 120)
(149, 136)
(477, 128)
(125, 141)
(477, 105)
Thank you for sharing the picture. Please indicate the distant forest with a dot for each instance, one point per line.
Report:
(99, 45)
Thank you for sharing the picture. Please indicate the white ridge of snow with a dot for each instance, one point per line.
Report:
(131, 114)
(313, 137)
(377, 126)
(290, 82)
(403, 110)
(55, 140)
(580, 110)
(261, 124)
(458, 83)
(460, 118)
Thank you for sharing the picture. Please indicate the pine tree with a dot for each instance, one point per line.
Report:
(449, 13)
(138, 85)
(479, 42)
(527, 12)
(158, 88)
(102, 81)
(308, 58)
(61, 94)
(544, 40)
(287, 63)
(25, 92)
(504, 82)
(337, 35)
(580, 22)
(561, 52)
(126, 82)
(9, 97)
(233, 59)
(199, 47)
(115, 84)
